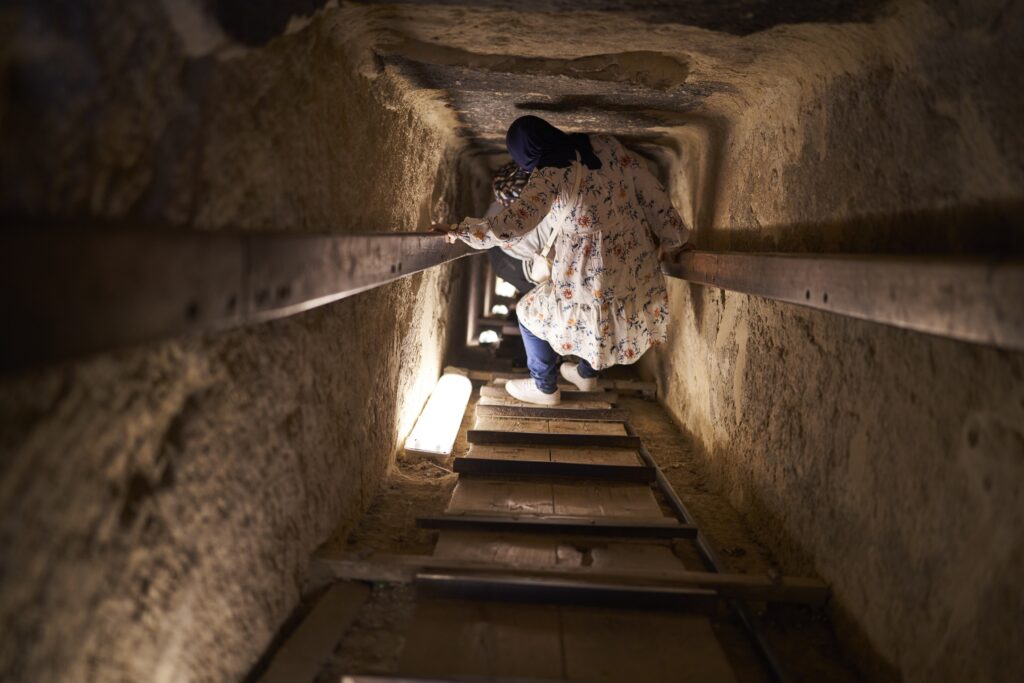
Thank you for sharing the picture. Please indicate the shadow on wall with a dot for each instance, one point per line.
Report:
(254, 22)
(738, 17)
(993, 227)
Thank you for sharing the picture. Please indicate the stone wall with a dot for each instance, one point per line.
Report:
(160, 504)
(889, 462)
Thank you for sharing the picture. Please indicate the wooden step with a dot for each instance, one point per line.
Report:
(597, 415)
(563, 524)
(495, 467)
(567, 394)
(484, 436)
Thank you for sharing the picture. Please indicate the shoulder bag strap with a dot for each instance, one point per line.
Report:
(575, 193)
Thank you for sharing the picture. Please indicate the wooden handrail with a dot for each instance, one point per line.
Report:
(973, 299)
(70, 293)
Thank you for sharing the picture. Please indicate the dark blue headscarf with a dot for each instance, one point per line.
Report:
(535, 143)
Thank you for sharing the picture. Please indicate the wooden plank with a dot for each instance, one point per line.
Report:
(576, 427)
(605, 499)
(503, 376)
(545, 425)
(610, 456)
(607, 415)
(511, 452)
(481, 640)
(565, 591)
(492, 467)
(627, 557)
(560, 440)
(303, 653)
(502, 497)
(69, 292)
(755, 587)
(502, 643)
(498, 424)
(561, 525)
(564, 405)
(567, 395)
(522, 550)
(630, 385)
(608, 555)
(653, 647)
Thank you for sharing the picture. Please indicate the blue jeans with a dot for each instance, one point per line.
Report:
(543, 362)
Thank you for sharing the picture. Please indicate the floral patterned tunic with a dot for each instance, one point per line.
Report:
(606, 300)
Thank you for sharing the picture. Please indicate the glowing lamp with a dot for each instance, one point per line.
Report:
(488, 337)
(438, 424)
(505, 289)
(499, 309)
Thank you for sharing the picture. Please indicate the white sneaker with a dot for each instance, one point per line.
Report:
(526, 390)
(570, 372)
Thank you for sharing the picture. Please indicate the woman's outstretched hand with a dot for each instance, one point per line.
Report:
(445, 229)
(672, 255)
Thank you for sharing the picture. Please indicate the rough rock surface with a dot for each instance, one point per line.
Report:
(160, 505)
(889, 462)
(163, 501)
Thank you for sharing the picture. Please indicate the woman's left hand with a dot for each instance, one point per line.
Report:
(672, 255)
(447, 230)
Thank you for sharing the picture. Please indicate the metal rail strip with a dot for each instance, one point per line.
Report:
(71, 293)
(560, 524)
(971, 299)
(708, 554)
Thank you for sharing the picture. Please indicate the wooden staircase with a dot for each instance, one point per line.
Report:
(560, 556)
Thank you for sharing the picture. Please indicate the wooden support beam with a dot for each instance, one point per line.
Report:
(301, 656)
(567, 395)
(625, 385)
(565, 591)
(754, 587)
(75, 291)
(589, 414)
(495, 467)
(560, 524)
(484, 436)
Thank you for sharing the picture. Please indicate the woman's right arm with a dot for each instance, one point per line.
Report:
(665, 221)
(511, 224)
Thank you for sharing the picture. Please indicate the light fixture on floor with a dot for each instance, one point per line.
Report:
(438, 424)
(502, 288)
(489, 337)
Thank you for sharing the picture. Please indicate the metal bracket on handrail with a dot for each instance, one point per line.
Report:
(71, 293)
(973, 299)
